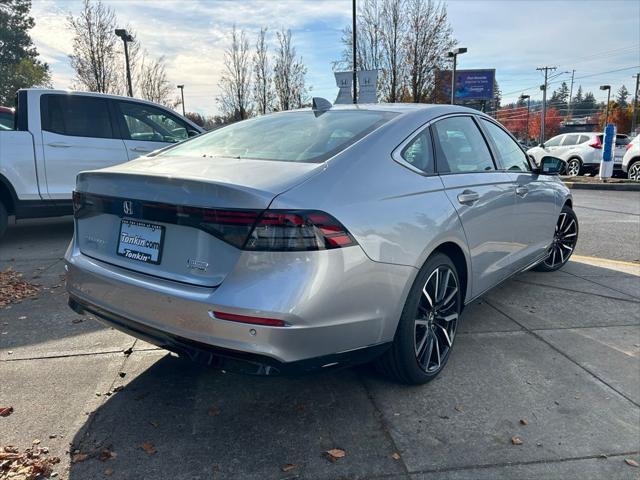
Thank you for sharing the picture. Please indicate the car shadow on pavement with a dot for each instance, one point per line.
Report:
(166, 417)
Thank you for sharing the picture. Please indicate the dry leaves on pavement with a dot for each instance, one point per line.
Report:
(6, 411)
(287, 467)
(516, 440)
(334, 454)
(149, 448)
(32, 464)
(631, 462)
(13, 289)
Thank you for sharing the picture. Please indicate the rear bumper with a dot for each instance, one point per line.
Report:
(334, 302)
(226, 359)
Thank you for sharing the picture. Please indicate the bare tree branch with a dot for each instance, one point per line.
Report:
(263, 93)
(235, 98)
(289, 74)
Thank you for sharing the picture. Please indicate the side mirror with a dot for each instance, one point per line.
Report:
(192, 133)
(542, 145)
(550, 166)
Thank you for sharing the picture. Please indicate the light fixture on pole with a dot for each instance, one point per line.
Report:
(126, 38)
(454, 54)
(181, 87)
(528, 99)
(608, 89)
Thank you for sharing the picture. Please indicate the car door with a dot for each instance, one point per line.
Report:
(483, 197)
(146, 128)
(567, 146)
(78, 133)
(535, 207)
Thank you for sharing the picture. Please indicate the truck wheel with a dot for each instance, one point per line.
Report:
(4, 219)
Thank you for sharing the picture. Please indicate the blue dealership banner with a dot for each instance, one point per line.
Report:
(470, 84)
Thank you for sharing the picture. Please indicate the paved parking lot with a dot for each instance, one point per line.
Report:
(553, 359)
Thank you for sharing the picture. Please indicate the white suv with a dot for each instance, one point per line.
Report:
(631, 159)
(581, 151)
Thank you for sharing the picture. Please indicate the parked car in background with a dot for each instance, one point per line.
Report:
(308, 240)
(581, 151)
(631, 159)
(6, 118)
(59, 133)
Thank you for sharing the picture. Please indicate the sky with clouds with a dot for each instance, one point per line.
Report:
(600, 39)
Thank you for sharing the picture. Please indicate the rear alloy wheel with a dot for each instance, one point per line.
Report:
(573, 167)
(634, 171)
(428, 325)
(564, 241)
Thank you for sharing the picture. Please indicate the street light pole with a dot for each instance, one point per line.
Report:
(181, 87)
(353, 28)
(126, 38)
(454, 54)
(528, 99)
(544, 99)
(606, 115)
(634, 115)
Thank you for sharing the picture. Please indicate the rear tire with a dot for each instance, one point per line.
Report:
(564, 242)
(573, 167)
(428, 324)
(4, 219)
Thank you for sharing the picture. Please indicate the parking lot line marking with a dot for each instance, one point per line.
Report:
(585, 258)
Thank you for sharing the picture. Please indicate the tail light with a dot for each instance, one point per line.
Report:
(597, 144)
(232, 317)
(296, 230)
(256, 230)
(629, 145)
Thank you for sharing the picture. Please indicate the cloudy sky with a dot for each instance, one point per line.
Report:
(600, 39)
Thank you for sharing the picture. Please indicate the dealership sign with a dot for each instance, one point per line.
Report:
(367, 86)
(470, 84)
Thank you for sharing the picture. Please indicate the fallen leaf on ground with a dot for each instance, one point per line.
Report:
(395, 456)
(107, 454)
(523, 421)
(334, 454)
(28, 465)
(631, 462)
(76, 320)
(108, 472)
(459, 408)
(516, 440)
(155, 424)
(149, 448)
(6, 411)
(121, 374)
(213, 412)
(78, 457)
(288, 467)
(13, 289)
(128, 351)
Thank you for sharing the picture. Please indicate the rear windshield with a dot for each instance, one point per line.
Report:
(293, 136)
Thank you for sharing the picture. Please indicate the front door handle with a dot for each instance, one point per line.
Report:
(468, 197)
(521, 190)
(140, 149)
(58, 145)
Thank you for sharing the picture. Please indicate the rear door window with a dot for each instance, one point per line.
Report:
(583, 139)
(570, 140)
(76, 115)
(553, 142)
(460, 146)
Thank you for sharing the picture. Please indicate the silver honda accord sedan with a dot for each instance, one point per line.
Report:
(317, 238)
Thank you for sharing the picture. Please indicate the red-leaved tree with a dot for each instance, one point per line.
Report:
(551, 124)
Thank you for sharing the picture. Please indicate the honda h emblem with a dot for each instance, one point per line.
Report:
(127, 207)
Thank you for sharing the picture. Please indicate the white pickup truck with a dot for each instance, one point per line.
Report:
(58, 134)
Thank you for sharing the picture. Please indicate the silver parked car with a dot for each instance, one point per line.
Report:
(631, 159)
(317, 238)
(581, 151)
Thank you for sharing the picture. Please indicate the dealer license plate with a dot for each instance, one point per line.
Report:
(140, 241)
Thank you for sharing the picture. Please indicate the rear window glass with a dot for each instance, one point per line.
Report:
(6, 120)
(622, 140)
(292, 136)
(76, 115)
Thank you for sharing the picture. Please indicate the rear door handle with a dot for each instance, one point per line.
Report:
(58, 145)
(521, 191)
(140, 149)
(468, 197)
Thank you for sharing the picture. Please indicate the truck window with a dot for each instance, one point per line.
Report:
(146, 123)
(76, 115)
(6, 119)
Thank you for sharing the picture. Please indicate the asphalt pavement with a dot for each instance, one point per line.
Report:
(544, 382)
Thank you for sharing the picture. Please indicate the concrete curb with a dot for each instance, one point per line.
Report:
(620, 187)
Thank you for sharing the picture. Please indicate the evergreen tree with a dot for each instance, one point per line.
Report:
(19, 64)
(622, 96)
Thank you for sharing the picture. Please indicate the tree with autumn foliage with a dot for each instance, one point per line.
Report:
(514, 119)
(552, 121)
(619, 116)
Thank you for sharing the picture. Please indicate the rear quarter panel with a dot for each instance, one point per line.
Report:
(17, 163)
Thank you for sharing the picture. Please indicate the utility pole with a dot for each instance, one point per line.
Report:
(528, 99)
(634, 115)
(353, 28)
(544, 98)
(573, 72)
(181, 87)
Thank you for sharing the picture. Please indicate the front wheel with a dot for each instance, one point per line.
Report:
(427, 328)
(564, 241)
(633, 173)
(573, 167)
